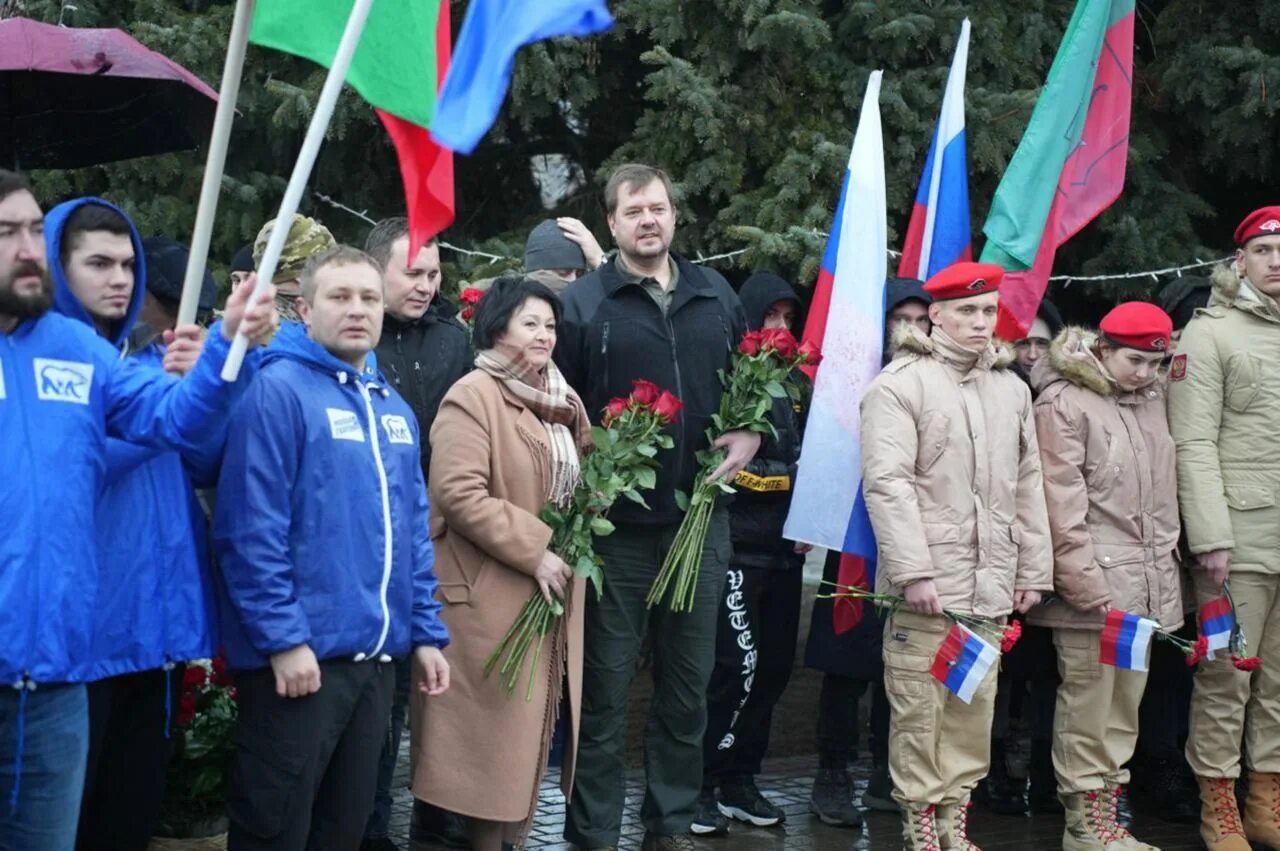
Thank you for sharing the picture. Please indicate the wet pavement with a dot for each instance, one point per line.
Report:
(786, 782)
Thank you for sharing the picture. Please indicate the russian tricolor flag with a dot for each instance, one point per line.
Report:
(1217, 622)
(846, 320)
(962, 662)
(1126, 640)
(938, 234)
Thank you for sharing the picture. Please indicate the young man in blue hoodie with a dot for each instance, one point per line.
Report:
(322, 540)
(154, 602)
(63, 391)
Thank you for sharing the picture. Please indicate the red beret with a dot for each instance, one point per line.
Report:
(1138, 325)
(964, 280)
(1264, 221)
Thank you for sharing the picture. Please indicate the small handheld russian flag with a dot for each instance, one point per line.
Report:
(1126, 640)
(962, 662)
(1217, 622)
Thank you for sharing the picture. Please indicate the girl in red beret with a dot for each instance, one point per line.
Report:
(1109, 480)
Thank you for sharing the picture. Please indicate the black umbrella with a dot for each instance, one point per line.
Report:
(73, 97)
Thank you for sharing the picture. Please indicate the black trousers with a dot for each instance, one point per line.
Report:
(838, 721)
(1164, 715)
(306, 768)
(129, 752)
(755, 651)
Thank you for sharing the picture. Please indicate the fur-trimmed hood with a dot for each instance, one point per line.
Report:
(909, 340)
(1072, 359)
(1231, 290)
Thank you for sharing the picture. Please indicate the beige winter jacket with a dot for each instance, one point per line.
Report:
(951, 476)
(1110, 482)
(1224, 409)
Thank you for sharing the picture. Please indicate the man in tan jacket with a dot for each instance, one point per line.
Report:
(951, 475)
(1224, 403)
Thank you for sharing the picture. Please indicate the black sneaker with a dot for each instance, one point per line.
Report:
(832, 799)
(878, 795)
(707, 820)
(435, 826)
(743, 801)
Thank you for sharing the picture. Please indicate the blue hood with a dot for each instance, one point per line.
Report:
(293, 343)
(64, 300)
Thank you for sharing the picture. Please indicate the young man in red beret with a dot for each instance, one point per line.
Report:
(951, 475)
(1224, 403)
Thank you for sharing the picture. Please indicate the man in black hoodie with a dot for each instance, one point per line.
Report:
(423, 350)
(649, 314)
(760, 610)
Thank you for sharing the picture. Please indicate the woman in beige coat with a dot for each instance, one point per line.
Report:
(505, 442)
(1110, 484)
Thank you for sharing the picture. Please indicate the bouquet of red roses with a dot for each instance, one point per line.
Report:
(762, 370)
(620, 465)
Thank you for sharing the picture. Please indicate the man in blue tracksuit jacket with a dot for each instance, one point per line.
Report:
(323, 548)
(154, 608)
(63, 390)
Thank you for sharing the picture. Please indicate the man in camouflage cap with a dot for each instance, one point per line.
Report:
(306, 238)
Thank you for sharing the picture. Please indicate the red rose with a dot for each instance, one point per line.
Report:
(467, 313)
(195, 677)
(471, 295)
(186, 709)
(668, 407)
(1246, 663)
(781, 341)
(220, 676)
(750, 345)
(616, 408)
(810, 354)
(644, 392)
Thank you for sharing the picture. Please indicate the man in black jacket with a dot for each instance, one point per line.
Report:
(650, 314)
(760, 610)
(423, 350)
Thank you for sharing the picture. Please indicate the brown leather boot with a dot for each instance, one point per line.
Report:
(1112, 810)
(1219, 816)
(920, 829)
(953, 827)
(1262, 809)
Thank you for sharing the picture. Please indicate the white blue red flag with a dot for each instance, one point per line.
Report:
(1217, 622)
(846, 320)
(1126, 640)
(963, 661)
(938, 233)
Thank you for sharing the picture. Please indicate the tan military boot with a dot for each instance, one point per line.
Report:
(1262, 809)
(953, 827)
(1089, 826)
(1219, 816)
(920, 828)
(1112, 806)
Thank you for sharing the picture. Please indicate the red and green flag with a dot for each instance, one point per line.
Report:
(1070, 164)
(398, 67)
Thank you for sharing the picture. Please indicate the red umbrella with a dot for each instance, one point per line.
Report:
(73, 97)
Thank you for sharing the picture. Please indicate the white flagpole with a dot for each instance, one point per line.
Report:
(223, 118)
(302, 170)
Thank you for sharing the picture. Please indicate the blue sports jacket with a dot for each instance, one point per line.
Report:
(63, 389)
(155, 600)
(321, 521)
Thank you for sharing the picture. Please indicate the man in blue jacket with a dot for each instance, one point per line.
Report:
(322, 541)
(63, 390)
(154, 603)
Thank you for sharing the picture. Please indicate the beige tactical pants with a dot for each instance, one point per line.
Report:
(939, 746)
(1095, 723)
(1228, 705)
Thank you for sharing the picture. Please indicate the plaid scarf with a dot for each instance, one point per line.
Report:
(552, 401)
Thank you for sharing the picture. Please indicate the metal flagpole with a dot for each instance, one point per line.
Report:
(302, 170)
(216, 161)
